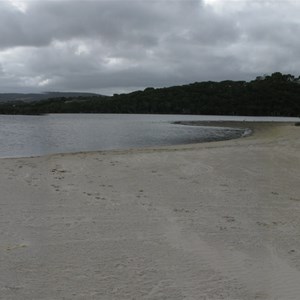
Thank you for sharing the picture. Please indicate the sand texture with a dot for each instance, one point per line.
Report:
(218, 220)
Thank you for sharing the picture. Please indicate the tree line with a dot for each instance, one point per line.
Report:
(271, 95)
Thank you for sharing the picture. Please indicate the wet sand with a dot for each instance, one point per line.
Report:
(216, 220)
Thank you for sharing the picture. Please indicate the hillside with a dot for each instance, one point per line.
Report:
(275, 95)
(31, 97)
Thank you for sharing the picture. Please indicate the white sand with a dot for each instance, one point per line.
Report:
(209, 221)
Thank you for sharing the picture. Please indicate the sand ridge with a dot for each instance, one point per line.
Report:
(216, 220)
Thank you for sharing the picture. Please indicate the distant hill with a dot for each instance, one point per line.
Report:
(17, 97)
(274, 95)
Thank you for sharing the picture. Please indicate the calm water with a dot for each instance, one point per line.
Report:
(38, 135)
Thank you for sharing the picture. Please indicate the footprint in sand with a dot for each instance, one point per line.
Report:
(229, 219)
(14, 247)
(183, 210)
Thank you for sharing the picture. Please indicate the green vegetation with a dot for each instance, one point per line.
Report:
(21, 97)
(274, 95)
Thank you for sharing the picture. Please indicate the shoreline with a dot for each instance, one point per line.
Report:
(231, 136)
(217, 220)
(254, 126)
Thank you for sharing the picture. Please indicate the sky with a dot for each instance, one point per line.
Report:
(116, 46)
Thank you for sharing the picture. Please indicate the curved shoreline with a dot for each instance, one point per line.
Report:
(258, 130)
(209, 220)
(230, 125)
(148, 136)
(254, 126)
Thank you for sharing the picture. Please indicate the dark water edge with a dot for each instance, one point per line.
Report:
(27, 136)
(225, 132)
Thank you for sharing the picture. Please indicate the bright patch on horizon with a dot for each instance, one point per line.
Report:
(44, 82)
(40, 81)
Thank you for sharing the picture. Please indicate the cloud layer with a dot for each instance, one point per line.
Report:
(116, 45)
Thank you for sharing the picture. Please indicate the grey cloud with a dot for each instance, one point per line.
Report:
(102, 45)
(46, 21)
(113, 22)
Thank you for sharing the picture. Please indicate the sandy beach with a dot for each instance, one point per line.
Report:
(216, 220)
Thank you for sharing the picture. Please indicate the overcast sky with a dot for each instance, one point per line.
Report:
(117, 46)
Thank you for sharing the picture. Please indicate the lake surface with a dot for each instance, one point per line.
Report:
(23, 136)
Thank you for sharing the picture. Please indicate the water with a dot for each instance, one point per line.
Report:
(23, 136)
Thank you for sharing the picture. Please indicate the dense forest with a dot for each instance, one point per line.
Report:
(270, 95)
(31, 97)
